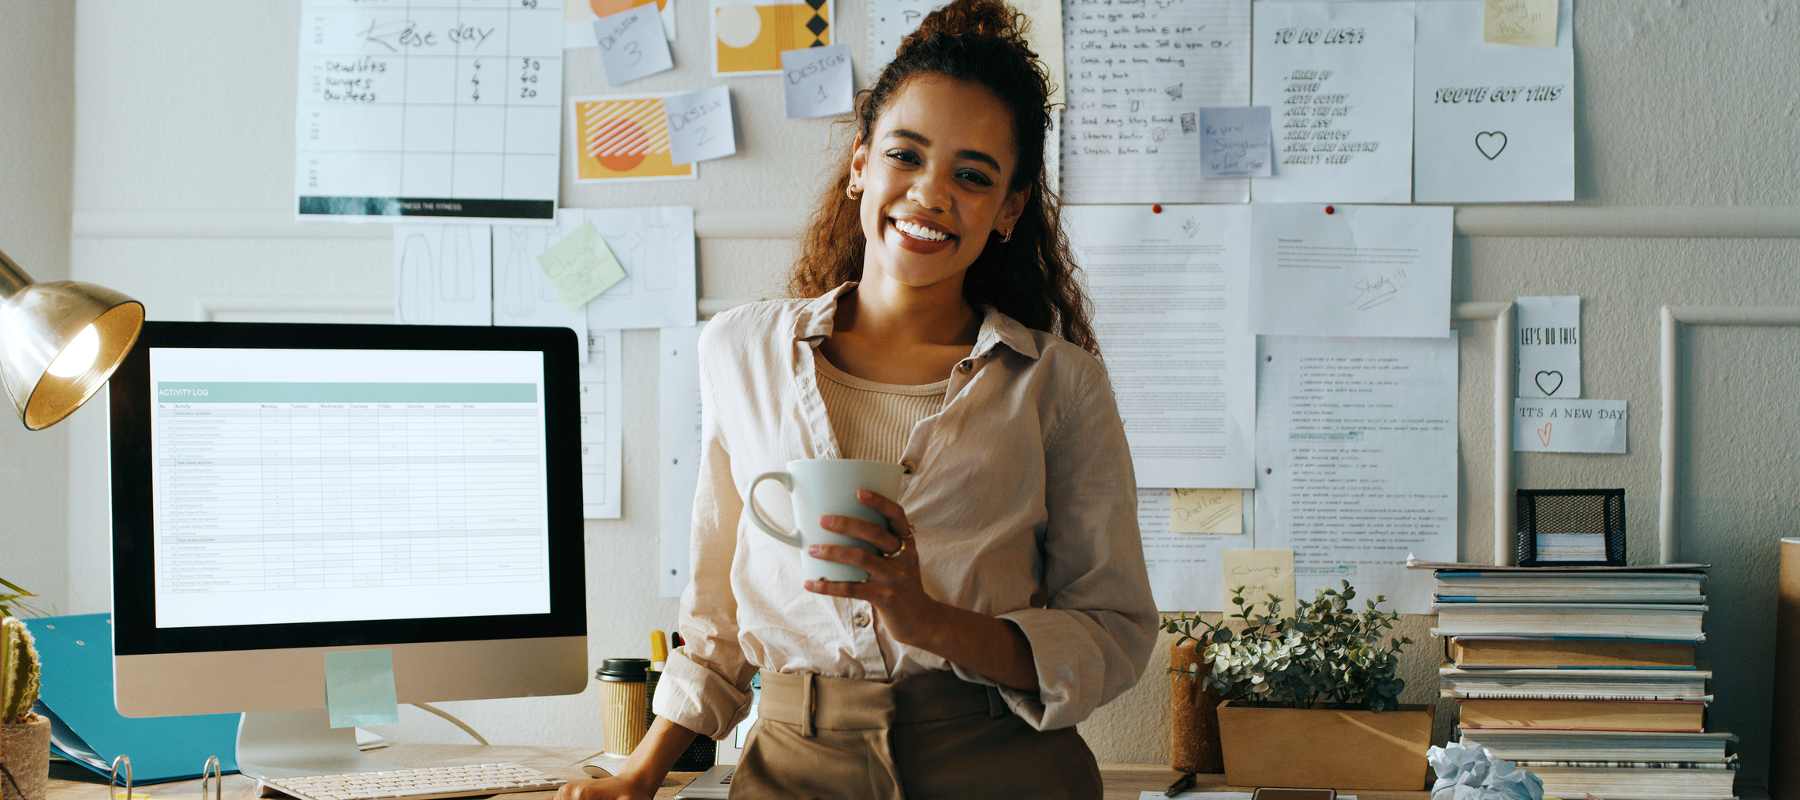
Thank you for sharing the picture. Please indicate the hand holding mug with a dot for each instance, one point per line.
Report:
(894, 586)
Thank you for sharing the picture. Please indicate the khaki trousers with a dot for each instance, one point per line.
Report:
(925, 737)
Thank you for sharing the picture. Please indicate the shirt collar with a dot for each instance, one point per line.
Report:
(815, 318)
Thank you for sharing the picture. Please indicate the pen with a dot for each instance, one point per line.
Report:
(1181, 784)
(659, 650)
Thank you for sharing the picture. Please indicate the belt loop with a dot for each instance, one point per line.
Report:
(808, 682)
(996, 703)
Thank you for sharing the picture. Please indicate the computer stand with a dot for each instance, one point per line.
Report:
(278, 744)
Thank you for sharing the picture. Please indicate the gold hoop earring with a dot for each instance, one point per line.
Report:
(853, 191)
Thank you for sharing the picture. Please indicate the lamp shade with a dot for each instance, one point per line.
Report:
(59, 342)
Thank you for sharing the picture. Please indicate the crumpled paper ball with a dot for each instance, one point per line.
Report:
(1473, 773)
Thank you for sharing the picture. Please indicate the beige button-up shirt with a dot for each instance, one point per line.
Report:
(1021, 496)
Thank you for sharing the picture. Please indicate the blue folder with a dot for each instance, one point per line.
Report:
(87, 729)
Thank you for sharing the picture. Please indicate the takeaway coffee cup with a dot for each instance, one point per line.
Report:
(822, 486)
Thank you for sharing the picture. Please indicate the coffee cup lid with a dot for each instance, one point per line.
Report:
(624, 669)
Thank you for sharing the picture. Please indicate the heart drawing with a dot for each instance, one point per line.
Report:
(1544, 434)
(1491, 143)
(1543, 376)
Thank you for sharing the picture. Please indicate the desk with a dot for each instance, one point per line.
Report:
(1123, 781)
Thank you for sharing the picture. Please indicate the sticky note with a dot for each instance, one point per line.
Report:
(1235, 143)
(1219, 511)
(816, 81)
(1528, 23)
(632, 44)
(581, 266)
(1569, 426)
(700, 125)
(1261, 573)
(359, 688)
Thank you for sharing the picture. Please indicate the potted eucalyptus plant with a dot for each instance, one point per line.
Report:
(1300, 689)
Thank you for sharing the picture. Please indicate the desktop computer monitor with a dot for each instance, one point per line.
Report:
(280, 492)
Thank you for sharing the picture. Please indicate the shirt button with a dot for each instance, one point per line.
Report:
(966, 366)
(861, 619)
(906, 467)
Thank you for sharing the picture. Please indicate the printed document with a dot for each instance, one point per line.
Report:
(1548, 346)
(1356, 447)
(1496, 122)
(1138, 76)
(443, 275)
(1338, 78)
(678, 420)
(602, 426)
(1350, 271)
(1169, 301)
(428, 110)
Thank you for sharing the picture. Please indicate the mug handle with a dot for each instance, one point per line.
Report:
(768, 526)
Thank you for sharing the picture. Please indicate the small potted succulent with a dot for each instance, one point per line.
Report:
(24, 736)
(1298, 687)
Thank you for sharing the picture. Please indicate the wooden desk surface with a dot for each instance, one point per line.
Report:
(1123, 781)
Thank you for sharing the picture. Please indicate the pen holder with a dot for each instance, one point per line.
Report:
(624, 703)
(700, 755)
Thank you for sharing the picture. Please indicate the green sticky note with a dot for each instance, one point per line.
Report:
(581, 266)
(359, 688)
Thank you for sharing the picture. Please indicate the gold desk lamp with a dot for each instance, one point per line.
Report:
(59, 342)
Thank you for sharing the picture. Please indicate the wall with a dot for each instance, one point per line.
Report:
(1687, 124)
(37, 89)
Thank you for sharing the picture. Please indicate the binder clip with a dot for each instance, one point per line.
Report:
(212, 774)
(112, 779)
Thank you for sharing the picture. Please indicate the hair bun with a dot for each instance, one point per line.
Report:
(981, 19)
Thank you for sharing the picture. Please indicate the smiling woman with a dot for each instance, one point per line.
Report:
(938, 325)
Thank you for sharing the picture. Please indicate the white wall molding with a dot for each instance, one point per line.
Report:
(1673, 317)
(1571, 221)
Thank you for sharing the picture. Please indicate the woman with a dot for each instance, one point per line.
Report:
(946, 331)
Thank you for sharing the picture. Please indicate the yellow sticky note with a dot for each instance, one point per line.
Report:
(1216, 511)
(1261, 573)
(581, 266)
(1528, 23)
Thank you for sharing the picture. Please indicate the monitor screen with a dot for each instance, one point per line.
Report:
(336, 485)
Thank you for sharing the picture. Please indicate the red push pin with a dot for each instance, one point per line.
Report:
(1156, 208)
(1330, 210)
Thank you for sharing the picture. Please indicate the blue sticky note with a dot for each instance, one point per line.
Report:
(359, 688)
(1235, 142)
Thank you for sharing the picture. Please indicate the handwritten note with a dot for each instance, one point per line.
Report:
(1529, 23)
(1339, 78)
(1217, 511)
(1138, 73)
(1549, 346)
(1495, 123)
(1184, 568)
(890, 21)
(1355, 271)
(816, 81)
(429, 111)
(632, 44)
(581, 266)
(700, 125)
(1569, 426)
(1234, 142)
(1261, 574)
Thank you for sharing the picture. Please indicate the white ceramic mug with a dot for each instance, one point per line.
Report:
(822, 486)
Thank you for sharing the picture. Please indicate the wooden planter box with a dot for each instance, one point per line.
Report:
(1325, 748)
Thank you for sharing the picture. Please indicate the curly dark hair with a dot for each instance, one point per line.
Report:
(1032, 277)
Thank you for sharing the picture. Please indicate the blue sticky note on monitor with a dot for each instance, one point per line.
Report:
(359, 688)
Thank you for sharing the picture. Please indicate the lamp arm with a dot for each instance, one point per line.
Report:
(13, 278)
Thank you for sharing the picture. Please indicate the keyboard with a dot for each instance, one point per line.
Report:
(473, 780)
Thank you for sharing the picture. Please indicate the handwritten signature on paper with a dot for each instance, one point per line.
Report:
(1378, 291)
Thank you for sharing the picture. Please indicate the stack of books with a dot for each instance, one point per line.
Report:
(1587, 676)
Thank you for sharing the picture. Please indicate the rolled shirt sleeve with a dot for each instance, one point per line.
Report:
(1093, 639)
(705, 687)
